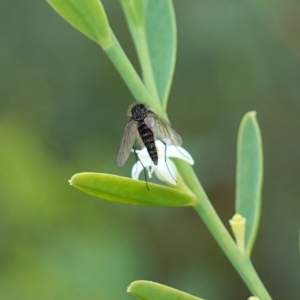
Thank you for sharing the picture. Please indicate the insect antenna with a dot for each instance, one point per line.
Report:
(145, 173)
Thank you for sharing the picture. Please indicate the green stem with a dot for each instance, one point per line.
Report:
(135, 16)
(208, 214)
(118, 57)
(141, 45)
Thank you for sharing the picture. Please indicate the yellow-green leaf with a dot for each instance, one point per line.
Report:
(148, 290)
(126, 190)
(88, 16)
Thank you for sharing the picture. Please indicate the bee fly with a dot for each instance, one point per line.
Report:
(144, 127)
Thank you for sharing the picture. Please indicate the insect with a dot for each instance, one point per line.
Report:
(144, 127)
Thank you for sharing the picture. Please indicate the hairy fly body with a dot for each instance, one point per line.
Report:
(147, 137)
(144, 127)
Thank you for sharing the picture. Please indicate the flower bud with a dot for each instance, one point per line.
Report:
(238, 227)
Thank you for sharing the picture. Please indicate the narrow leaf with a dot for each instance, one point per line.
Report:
(88, 16)
(147, 290)
(135, 12)
(126, 190)
(249, 176)
(161, 38)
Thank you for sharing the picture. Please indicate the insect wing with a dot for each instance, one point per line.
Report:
(127, 142)
(163, 129)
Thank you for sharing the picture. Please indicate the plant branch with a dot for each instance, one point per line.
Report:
(140, 41)
(118, 57)
(205, 210)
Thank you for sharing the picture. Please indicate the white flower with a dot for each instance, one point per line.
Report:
(165, 169)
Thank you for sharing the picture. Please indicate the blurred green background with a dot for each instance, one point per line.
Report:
(63, 111)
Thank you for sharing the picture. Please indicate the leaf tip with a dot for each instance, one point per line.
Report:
(133, 285)
(252, 113)
(72, 180)
(249, 118)
(129, 289)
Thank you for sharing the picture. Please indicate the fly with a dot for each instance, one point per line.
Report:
(144, 127)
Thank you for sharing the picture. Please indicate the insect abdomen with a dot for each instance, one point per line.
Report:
(147, 137)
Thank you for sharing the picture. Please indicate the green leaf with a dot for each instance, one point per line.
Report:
(88, 16)
(126, 190)
(135, 12)
(249, 176)
(161, 38)
(147, 290)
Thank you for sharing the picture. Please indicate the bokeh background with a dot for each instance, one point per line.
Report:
(62, 111)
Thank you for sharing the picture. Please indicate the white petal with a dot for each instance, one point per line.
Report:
(136, 170)
(139, 166)
(161, 148)
(179, 152)
(166, 171)
(142, 154)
